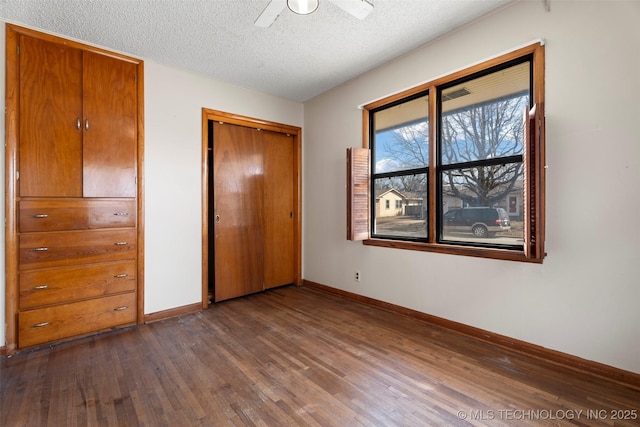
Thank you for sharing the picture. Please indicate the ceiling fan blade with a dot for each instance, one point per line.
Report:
(270, 13)
(358, 8)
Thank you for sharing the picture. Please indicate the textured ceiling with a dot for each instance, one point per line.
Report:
(297, 58)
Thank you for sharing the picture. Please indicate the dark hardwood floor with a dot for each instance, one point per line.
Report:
(296, 356)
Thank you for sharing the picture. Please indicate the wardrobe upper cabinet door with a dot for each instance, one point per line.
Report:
(109, 126)
(50, 140)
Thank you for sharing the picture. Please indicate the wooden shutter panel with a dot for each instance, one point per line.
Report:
(357, 193)
(533, 173)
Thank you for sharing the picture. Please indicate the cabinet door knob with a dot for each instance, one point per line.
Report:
(121, 243)
(39, 249)
(39, 216)
(120, 276)
(40, 287)
(78, 124)
(86, 124)
(40, 325)
(121, 213)
(124, 307)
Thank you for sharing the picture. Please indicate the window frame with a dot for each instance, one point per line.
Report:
(533, 162)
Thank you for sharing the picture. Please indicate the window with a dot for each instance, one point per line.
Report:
(400, 153)
(465, 156)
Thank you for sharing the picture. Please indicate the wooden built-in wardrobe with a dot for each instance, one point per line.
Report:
(252, 182)
(73, 192)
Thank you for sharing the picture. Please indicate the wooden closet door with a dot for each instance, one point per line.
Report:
(50, 141)
(278, 209)
(238, 199)
(109, 126)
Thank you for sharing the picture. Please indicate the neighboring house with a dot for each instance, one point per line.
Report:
(415, 205)
(390, 203)
(395, 203)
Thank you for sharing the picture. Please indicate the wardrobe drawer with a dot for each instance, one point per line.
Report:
(53, 286)
(62, 249)
(75, 214)
(68, 320)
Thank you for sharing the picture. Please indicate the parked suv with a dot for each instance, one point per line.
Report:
(481, 221)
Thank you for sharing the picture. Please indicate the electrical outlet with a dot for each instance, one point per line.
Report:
(356, 276)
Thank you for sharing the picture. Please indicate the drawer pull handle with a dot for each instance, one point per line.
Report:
(121, 243)
(120, 276)
(39, 216)
(121, 214)
(124, 307)
(40, 325)
(40, 287)
(39, 249)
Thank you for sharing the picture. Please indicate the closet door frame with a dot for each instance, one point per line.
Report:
(251, 122)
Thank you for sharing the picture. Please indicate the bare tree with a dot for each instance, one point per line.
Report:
(485, 131)
(409, 149)
(479, 132)
(406, 184)
(481, 186)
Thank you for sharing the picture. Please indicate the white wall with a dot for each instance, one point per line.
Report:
(172, 174)
(584, 299)
(173, 152)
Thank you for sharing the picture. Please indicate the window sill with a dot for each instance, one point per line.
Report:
(491, 253)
